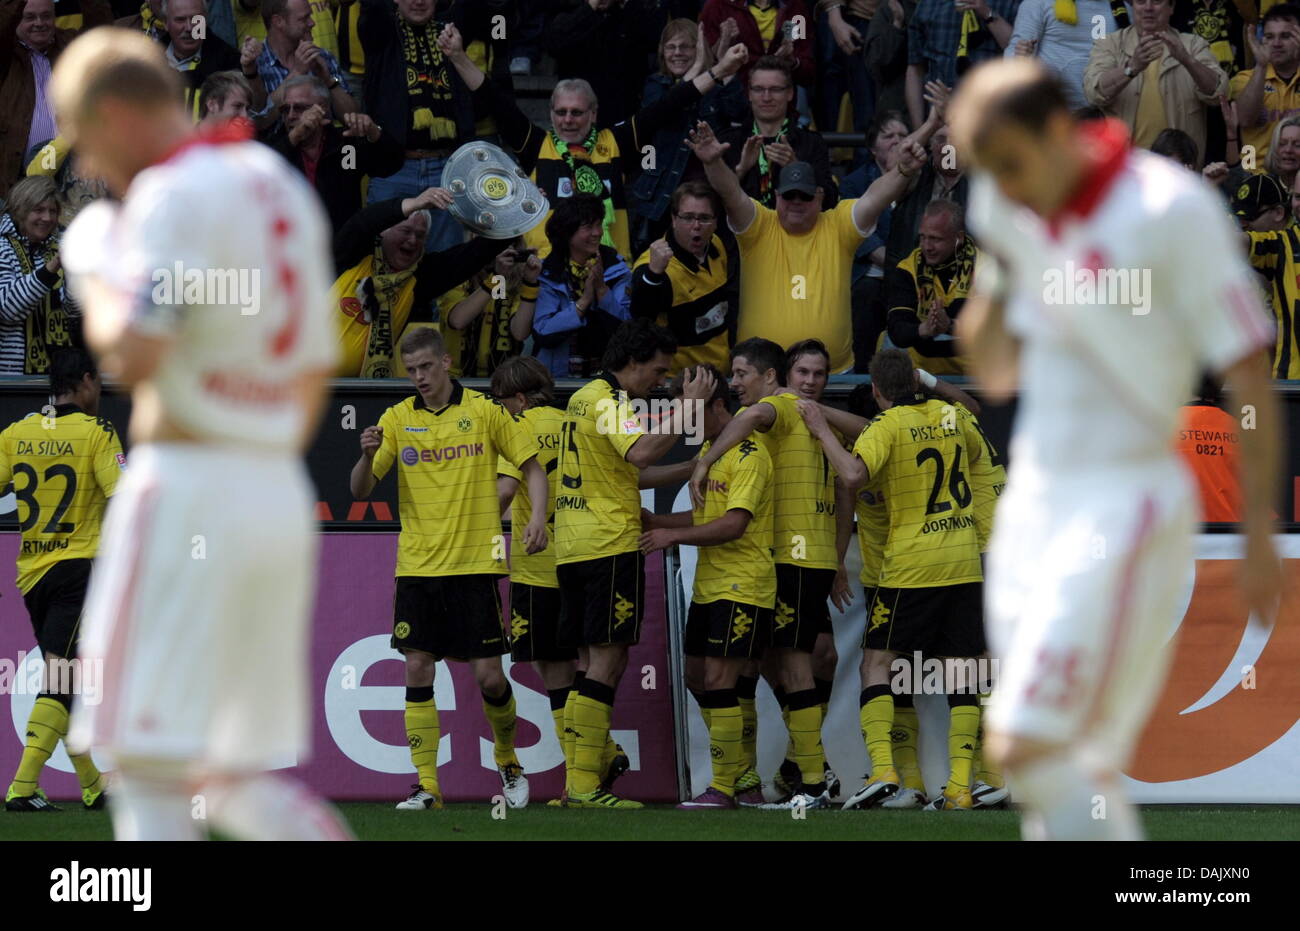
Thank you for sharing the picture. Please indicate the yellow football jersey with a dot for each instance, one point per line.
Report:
(921, 453)
(989, 476)
(873, 532)
(64, 466)
(544, 424)
(742, 570)
(804, 487)
(447, 481)
(598, 503)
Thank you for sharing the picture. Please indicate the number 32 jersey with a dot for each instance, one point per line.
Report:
(920, 453)
(64, 466)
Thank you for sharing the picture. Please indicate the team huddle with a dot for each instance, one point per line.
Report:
(775, 490)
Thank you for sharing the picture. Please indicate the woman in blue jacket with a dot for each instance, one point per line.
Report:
(583, 292)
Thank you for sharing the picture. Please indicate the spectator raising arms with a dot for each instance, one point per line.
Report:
(36, 313)
(683, 54)
(795, 262)
(575, 156)
(412, 93)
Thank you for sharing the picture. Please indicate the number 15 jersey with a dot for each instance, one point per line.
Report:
(597, 502)
(919, 454)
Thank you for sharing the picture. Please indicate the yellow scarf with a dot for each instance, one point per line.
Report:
(374, 305)
(47, 327)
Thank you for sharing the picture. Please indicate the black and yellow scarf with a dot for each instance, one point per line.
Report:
(586, 180)
(48, 327)
(488, 342)
(153, 27)
(378, 294)
(766, 176)
(428, 85)
(929, 284)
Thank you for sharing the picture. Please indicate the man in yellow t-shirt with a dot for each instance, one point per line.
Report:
(446, 441)
(734, 592)
(796, 261)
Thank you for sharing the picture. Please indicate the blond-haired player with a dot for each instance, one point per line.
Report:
(201, 598)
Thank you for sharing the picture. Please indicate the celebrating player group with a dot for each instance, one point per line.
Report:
(205, 659)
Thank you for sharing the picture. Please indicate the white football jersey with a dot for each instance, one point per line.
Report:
(1120, 305)
(224, 248)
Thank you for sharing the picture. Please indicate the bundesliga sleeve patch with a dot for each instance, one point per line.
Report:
(631, 425)
(121, 461)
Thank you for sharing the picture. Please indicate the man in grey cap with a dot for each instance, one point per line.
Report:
(796, 261)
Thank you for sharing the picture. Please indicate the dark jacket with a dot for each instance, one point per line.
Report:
(437, 272)
(648, 196)
(808, 147)
(215, 54)
(17, 86)
(386, 99)
(338, 177)
(612, 50)
(885, 51)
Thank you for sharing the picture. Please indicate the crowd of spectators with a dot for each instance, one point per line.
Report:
(685, 156)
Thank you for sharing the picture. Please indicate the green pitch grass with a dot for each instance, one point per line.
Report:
(470, 822)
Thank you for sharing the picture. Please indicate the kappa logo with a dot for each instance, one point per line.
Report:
(402, 630)
(623, 610)
(518, 625)
(879, 616)
(740, 625)
(784, 614)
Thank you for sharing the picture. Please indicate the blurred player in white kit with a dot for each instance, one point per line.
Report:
(1092, 541)
(200, 603)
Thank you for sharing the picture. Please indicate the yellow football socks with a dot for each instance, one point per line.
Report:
(806, 735)
(592, 711)
(500, 712)
(963, 724)
(877, 717)
(422, 735)
(903, 736)
(46, 726)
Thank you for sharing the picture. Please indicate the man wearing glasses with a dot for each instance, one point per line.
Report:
(576, 156)
(759, 150)
(686, 280)
(796, 260)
